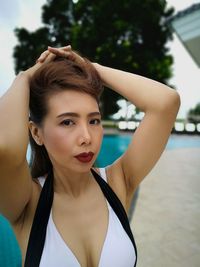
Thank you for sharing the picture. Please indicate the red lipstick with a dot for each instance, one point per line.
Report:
(85, 157)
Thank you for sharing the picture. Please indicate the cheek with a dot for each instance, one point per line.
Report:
(57, 140)
(99, 137)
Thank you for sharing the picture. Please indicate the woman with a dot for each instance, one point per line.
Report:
(73, 225)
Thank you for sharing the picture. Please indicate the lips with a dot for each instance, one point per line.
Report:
(85, 157)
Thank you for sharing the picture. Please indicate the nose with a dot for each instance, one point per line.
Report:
(85, 136)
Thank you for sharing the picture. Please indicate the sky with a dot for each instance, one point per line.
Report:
(27, 13)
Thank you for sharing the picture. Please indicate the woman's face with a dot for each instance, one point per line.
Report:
(72, 131)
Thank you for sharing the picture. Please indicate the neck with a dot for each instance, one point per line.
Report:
(71, 183)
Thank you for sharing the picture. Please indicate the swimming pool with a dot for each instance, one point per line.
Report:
(10, 254)
(113, 146)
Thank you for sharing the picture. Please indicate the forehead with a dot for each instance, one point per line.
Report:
(71, 101)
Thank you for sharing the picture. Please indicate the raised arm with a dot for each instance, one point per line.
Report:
(14, 120)
(15, 182)
(160, 104)
(15, 179)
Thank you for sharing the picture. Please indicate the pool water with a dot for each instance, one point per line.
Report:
(10, 255)
(113, 146)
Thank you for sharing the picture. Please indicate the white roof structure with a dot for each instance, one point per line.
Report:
(186, 24)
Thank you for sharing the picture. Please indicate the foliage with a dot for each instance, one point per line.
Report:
(129, 35)
(195, 110)
(194, 114)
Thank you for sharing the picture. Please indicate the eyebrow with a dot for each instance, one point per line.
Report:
(73, 114)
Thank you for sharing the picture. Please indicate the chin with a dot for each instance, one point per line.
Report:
(82, 170)
(82, 167)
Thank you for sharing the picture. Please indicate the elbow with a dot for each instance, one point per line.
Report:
(175, 101)
(171, 102)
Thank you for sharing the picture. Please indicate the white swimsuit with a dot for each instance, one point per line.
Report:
(117, 251)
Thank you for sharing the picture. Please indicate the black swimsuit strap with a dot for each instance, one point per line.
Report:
(39, 226)
(40, 221)
(117, 206)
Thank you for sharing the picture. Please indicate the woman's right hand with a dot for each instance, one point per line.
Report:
(46, 57)
(49, 55)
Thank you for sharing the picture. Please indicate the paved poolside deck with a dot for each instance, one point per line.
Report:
(166, 221)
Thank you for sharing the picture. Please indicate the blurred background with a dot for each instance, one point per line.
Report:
(155, 38)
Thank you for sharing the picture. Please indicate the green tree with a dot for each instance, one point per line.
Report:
(129, 35)
(194, 114)
(195, 110)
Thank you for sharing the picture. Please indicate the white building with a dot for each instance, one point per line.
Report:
(186, 24)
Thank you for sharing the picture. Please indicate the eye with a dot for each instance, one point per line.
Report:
(95, 121)
(67, 122)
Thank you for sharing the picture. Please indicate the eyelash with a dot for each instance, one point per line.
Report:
(97, 120)
(68, 122)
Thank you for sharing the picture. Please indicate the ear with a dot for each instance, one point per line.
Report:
(36, 132)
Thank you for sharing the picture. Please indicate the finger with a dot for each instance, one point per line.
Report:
(53, 50)
(50, 57)
(68, 47)
(47, 57)
(56, 51)
(59, 52)
(43, 56)
(76, 57)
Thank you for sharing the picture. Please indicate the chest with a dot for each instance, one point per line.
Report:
(81, 227)
(95, 240)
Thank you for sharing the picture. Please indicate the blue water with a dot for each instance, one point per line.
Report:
(113, 146)
(10, 255)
